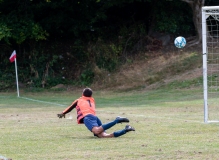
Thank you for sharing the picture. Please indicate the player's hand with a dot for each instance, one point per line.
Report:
(61, 115)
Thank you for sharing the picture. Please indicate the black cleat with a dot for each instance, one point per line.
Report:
(122, 119)
(129, 128)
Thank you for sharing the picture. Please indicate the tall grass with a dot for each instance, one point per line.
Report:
(169, 125)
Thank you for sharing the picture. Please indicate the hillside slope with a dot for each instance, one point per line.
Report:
(150, 73)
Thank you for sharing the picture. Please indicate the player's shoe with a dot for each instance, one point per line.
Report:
(129, 128)
(122, 119)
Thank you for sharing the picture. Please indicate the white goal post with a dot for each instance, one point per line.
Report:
(210, 48)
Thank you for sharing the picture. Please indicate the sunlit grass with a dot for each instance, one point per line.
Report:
(169, 125)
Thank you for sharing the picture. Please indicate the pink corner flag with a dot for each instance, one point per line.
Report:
(13, 56)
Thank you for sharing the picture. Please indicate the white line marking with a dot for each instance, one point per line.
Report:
(42, 101)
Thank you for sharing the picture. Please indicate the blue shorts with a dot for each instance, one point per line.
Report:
(91, 121)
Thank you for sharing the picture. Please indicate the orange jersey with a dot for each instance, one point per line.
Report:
(84, 106)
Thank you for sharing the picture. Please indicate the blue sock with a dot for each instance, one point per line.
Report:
(119, 133)
(109, 125)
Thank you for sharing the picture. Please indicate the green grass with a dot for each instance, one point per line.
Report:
(169, 125)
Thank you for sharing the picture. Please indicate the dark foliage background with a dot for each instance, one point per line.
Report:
(64, 41)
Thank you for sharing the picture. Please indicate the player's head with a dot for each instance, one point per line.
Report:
(87, 92)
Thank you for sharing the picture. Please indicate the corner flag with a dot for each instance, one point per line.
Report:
(13, 59)
(13, 56)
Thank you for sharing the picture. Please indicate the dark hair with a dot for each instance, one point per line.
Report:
(87, 92)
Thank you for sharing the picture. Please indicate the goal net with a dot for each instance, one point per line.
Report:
(210, 47)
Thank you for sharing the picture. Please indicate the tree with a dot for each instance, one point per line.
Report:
(18, 24)
(196, 6)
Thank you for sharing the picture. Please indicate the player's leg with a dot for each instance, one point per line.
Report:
(117, 133)
(100, 128)
(105, 135)
(128, 128)
(97, 130)
(100, 132)
(117, 120)
(94, 124)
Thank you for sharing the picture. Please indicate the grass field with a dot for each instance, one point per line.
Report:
(169, 125)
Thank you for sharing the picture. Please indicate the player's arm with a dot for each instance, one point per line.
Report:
(68, 109)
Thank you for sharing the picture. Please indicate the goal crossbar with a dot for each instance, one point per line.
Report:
(210, 8)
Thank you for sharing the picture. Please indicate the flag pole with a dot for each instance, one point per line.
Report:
(16, 77)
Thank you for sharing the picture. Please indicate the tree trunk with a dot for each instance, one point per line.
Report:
(196, 6)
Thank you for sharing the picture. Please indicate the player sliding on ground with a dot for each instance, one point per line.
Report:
(86, 114)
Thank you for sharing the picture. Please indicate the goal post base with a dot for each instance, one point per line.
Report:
(215, 121)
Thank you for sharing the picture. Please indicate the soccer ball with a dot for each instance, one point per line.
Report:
(180, 42)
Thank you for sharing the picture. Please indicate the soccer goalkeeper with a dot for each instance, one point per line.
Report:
(86, 114)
